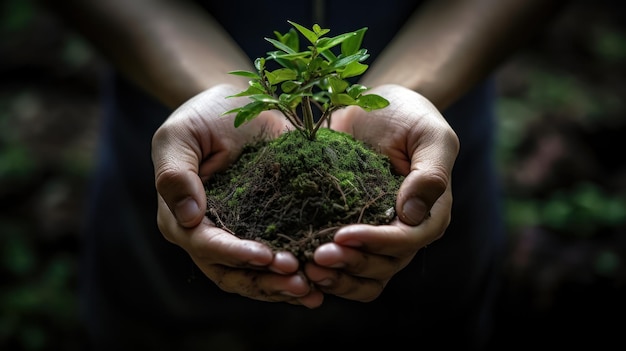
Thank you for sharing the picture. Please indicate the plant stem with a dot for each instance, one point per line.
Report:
(292, 118)
(325, 118)
(307, 113)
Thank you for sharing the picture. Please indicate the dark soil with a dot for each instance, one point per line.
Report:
(293, 194)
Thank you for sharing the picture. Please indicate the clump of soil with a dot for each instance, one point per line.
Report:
(293, 194)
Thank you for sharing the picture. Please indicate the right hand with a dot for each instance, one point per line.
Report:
(195, 142)
(422, 146)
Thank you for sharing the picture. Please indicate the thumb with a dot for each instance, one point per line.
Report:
(177, 180)
(183, 193)
(417, 195)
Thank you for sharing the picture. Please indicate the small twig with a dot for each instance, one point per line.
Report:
(219, 220)
(368, 204)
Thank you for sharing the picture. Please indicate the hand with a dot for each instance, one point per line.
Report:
(191, 145)
(422, 146)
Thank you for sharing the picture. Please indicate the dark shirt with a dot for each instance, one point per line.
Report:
(139, 289)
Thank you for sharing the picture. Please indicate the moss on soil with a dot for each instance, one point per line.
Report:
(293, 194)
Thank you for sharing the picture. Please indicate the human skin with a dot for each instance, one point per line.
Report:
(164, 47)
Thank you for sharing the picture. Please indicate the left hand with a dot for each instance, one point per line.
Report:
(422, 146)
(195, 142)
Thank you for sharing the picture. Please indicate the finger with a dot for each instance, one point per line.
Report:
(284, 263)
(393, 240)
(338, 283)
(313, 299)
(356, 262)
(258, 285)
(264, 286)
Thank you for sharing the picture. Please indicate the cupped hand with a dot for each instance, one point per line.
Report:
(422, 146)
(195, 142)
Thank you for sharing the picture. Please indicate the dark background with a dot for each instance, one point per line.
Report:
(562, 126)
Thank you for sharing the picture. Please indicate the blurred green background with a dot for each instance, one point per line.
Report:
(561, 108)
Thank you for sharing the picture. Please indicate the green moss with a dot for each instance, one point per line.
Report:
(287, 191)
(270, 229)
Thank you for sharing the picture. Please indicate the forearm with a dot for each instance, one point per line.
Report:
(448, 46)
(170, 48)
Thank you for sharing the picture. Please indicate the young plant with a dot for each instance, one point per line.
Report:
(313, 77)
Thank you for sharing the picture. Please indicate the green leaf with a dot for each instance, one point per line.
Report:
(290, 39)
(308, 34)
(353, 44)
(317, 64)
(344, 61)
(289, 86)
(276, 55)
(328, 43)
(337, 85)
(281, 46)
(252, 90)
(355, 90)
(280, 75)
(329, 55)
(246, 74)
(259, 64)
(319, 30)
(235, 110)
(249, 112)
(291, 64)
(353, 69)
(264, 98)
(257, 84)
(372, 102)
(290, 100)
(342, 100)
(341, 63)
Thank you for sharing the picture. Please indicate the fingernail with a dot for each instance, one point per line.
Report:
(290, 294)
(324, 282)
(186, 210)
(276, 270)
(413, 211)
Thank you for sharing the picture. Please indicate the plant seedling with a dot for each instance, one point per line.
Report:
(294, 192)
(313, 77)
